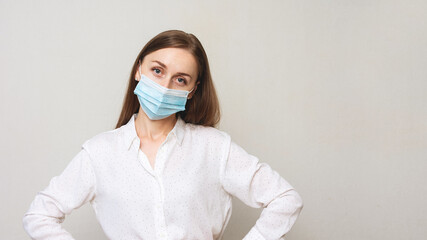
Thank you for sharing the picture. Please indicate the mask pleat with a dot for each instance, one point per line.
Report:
(157, 101)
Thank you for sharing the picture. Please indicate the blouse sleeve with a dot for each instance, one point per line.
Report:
(70, 190)
(258, 185)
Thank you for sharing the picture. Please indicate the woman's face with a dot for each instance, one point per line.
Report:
(173, 68)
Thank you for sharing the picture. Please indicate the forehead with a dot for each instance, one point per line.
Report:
(175, 59)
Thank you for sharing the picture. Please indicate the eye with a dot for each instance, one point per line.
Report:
(181, 80)
(157, 71)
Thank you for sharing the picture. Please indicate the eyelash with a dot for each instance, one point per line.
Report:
(156, 68)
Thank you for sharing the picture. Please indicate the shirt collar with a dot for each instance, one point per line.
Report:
(131, 135)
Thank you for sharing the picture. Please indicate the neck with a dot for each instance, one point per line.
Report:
(153, 130)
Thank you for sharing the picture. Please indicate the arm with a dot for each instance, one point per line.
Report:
(66, 192)
(258, 185)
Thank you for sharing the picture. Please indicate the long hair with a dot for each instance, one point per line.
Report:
(203, 108)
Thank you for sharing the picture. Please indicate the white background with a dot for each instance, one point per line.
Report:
(332, 94)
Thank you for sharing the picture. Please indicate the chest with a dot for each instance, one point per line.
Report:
(150, 149)
(183, 175)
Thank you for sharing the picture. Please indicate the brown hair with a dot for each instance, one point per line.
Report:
(203, 107)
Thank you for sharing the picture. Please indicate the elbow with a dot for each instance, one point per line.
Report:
(298, 203)
(27, 221)
(293, 202)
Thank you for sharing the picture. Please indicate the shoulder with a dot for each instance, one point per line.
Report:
(206, 131)
(103, 141)
(207, 135)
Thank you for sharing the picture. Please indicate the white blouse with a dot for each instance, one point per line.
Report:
(187, 195)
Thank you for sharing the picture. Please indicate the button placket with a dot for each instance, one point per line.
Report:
(160, 219)
(142, 158)
(160, 157)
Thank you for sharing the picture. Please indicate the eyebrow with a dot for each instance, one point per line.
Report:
(164, 66)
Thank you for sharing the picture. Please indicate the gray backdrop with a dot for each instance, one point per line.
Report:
(332, 94)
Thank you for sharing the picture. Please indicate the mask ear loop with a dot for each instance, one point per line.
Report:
(192, 90)
(139, 70)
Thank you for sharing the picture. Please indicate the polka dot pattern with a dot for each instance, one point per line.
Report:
(187, 195)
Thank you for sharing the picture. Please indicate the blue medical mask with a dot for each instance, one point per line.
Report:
(157, 101)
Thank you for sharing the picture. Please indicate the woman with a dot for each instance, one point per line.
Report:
(166, 172)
